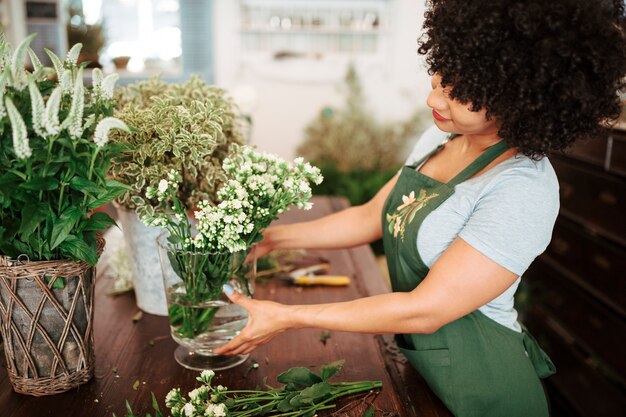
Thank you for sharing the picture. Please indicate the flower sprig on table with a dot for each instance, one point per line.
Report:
(303, 394)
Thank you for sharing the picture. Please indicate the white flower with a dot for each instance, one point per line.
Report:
(72, 55)
(52, 112)
(163, 186)
(20, 138)
(74, 121)
(107, 86)
(172, 397)
(194, 394)
(189, 409)
(5, 51)
(38, 109)
(96, 80)
(207, 375)
(63, 76)
(221, 388)
(34, 60)
(3, 82)
(18, 74)
(101, 135)
(219, 410)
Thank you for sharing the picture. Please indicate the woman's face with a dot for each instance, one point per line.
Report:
(454, 117)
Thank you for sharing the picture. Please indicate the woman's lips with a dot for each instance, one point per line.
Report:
(439, 117)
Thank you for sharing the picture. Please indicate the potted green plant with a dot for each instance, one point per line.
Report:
(54, 158)
(188, 128)
(356, 153)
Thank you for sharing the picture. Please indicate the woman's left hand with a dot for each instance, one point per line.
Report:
(266, 319)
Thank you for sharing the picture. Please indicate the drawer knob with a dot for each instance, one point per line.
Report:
(560, 246)
(601, 261)
(608, 197)
(567, 189)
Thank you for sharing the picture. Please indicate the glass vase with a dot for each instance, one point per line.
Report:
(201, 316)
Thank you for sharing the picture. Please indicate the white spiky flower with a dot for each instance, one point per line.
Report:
(18, 74)
(34, 60)
(5, 52)
(52, 111)
(107, 86)
(96, 80)
(101, 136)
(63, 76)
(38, 109)
(72, 55)
(20, 137)
(3, 82)
(74, 120)
(66, 81)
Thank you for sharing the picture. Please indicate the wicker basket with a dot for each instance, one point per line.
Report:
(47, 332)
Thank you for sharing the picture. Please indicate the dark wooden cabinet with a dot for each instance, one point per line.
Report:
(577, 288)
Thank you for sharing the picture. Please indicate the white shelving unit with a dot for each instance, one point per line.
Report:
(309, 29)
(45, 17)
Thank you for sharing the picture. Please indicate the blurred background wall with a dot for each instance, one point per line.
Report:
(283, 60)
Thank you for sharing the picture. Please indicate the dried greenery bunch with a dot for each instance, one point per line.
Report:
(187, 128)
(350, 138)
(54, 156)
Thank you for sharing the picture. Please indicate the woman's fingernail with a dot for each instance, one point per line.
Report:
(228, 289)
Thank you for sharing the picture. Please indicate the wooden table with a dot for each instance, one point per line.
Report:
(127, 351)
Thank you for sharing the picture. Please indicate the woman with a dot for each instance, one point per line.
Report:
(476, 203)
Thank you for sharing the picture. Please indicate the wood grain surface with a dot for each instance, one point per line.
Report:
(134, 359)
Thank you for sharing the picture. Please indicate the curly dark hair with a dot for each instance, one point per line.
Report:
(549, 71)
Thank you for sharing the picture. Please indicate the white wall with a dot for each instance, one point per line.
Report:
(289, 95)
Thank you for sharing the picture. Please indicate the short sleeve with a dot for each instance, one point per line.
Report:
(513, 219)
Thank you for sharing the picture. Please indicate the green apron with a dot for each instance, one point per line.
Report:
(475, 365)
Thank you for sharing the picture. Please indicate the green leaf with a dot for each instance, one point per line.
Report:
(32, 216)
(370, 412)
(8, 180)
(78, 249)
(64, 225)
(106, 197)
(155, 406)
(99, 221)
(116, 184)
(298, 378)
(309, 395)
(285, 404)
(331, 369)
(85, 186)
(40, 184)
(58, 283)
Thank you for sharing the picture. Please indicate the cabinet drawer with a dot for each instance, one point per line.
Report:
(593, 198)
(591, 150)
(600, 266)
(593, 325)
(585, 389)
(618, 153)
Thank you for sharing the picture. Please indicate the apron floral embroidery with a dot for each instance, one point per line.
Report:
(405, 213)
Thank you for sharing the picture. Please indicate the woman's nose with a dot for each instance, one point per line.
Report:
(436, 100)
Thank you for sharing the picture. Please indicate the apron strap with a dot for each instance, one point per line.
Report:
(434, 151)
(479, 163)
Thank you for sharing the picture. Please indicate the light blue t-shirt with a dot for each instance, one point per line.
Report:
(506, 213)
